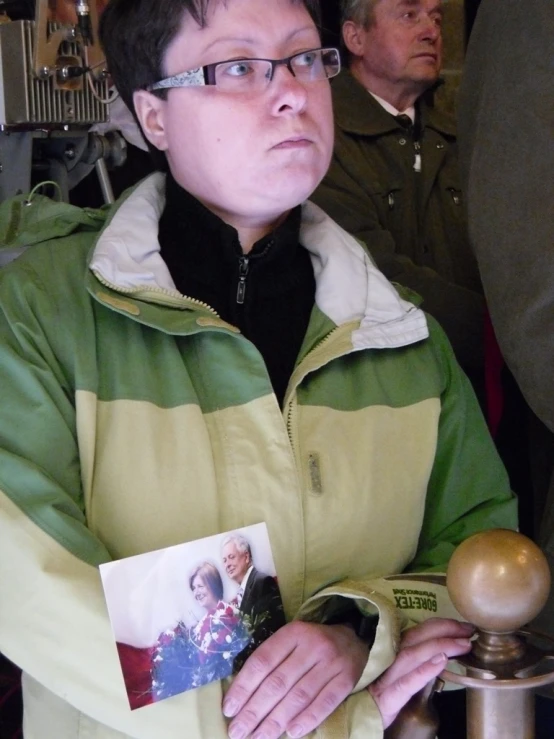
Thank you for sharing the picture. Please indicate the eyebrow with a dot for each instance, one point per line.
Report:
(250, 41)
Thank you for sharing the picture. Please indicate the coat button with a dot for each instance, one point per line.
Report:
(440, 146)
(401, 142)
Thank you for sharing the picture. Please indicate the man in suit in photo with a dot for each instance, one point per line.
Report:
(258, 596)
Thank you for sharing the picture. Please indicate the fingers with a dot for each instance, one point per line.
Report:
(296, 709)
(273, 695)
(262, 663)
(410, 658)
(424, 653)
(435, 628)
(253, 708)
(318, 709)
(391, 699)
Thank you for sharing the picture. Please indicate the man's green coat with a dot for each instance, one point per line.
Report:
(413, 224)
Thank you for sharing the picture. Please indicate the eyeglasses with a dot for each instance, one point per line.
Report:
(254, 75)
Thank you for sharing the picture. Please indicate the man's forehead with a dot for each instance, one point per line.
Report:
(428, 5)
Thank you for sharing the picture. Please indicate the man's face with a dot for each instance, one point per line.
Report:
(249, 159)
(402, 48)
(236, 563)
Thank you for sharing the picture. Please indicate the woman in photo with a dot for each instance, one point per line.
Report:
(187, 657)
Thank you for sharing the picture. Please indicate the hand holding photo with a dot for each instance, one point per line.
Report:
(190, 614)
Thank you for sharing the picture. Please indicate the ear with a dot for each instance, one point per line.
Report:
(150, 110)
(354, 37)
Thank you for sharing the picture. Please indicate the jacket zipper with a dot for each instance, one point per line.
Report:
(244, 265)
(175, 298)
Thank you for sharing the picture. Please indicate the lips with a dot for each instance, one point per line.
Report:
(293, 141)
(426, 55)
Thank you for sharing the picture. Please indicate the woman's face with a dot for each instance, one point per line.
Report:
(248, 159)
(202, 593)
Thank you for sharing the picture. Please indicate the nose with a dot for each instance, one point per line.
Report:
(289, 95)
(430, 29)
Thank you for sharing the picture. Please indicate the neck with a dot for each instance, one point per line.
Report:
(249, 230)
(399, 96)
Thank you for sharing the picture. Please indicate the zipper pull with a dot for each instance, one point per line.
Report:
(243, 271)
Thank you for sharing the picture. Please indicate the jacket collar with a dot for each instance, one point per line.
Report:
(349, 287)
(357, 112)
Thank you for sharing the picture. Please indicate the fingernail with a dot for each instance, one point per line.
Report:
(295, 731)
(463, 642)
(237, 731)
(439, 658)
(468, 627)
(230, 707)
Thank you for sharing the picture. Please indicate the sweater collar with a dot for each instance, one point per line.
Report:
(191, 234)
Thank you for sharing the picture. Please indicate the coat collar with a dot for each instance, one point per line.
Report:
(357, 112)
(349, 288)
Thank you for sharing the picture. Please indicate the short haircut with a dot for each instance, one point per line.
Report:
(241, 542)
(359, 12)
(211, 578)
(135, 35)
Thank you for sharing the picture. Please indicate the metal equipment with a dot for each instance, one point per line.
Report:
(53, 88)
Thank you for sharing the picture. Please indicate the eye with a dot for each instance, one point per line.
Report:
(306, 59)
(240, 68)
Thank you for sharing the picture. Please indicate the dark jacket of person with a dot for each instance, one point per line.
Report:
(507, 159)
(413, 224)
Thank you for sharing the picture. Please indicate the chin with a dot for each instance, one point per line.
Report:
(293, 191)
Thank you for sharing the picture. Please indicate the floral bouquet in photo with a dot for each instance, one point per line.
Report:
(187, 658)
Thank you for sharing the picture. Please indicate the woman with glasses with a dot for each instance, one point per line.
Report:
(213, 352)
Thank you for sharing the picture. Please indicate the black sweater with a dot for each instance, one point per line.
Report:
(268, 294)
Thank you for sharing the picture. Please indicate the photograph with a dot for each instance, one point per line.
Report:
(189, 614)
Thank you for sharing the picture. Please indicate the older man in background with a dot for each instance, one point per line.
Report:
(393, 180)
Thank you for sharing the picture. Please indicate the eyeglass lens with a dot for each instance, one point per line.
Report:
(253, 74)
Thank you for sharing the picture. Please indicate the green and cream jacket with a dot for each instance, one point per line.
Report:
(133, 418)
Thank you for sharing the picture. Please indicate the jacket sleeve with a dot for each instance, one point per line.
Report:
(53, 618)
(460, 311)
(468, 490)
(506, 112)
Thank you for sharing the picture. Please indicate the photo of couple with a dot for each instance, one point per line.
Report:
(205, 628)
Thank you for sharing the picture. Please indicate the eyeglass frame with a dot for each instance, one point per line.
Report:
(205, 75)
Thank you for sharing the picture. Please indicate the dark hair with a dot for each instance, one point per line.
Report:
(211, 578)
(135, 35)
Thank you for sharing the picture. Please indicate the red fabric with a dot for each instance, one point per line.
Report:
(136, 666)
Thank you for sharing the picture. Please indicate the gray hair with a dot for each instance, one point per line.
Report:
(359, 12)
(242, 544)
